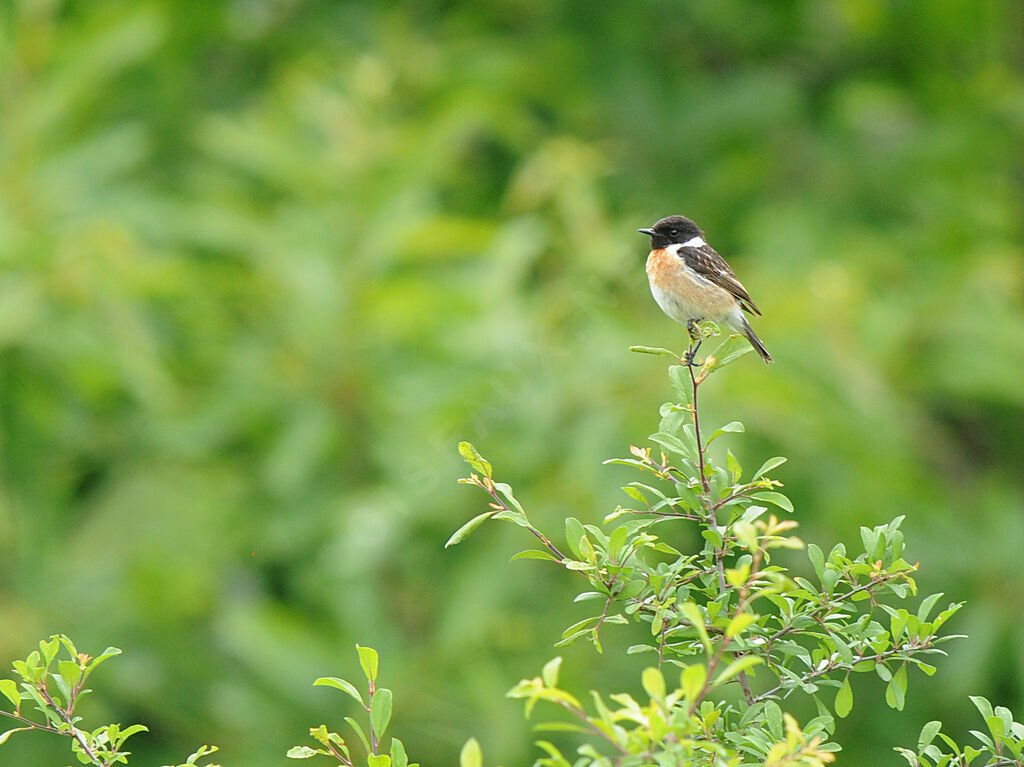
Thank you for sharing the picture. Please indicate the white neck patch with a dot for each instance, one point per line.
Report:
(694, 242)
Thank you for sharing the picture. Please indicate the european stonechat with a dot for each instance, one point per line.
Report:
(691, 282)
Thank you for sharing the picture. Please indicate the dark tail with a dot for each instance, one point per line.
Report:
(756, 342)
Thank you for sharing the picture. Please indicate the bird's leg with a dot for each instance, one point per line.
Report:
(693, 328)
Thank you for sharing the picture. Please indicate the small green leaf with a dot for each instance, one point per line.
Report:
(731, 427)
(982, 704)
(738, 624)
(476, 461)
(653, 683)
(735, 470)
(302, 752)
(471, 755)
(768, 465)
(380, 711)
(692, 613)
(773, 497)
(110, 652)
(692, 680)
(463, 532)
(896, 690)
(69, 671)
(731, 349)
(368, 659)
(550, 671)
(928, 733)
(926, 607)
(817, 560)
(574, 534)
(657, 350)
(736, 667)
(9, 733)
(844, 700)
(398, 755)
(358, 730)
(674, 444)
(9, 688)
(535, 554)
(340, 684)
(737, 576)
(679, 376)
(378, 760)
(773, 715)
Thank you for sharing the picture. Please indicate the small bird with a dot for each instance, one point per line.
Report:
(691, 282)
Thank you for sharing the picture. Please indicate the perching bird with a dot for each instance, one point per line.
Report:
(691, 282)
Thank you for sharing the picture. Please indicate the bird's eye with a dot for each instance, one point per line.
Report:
(673, 232)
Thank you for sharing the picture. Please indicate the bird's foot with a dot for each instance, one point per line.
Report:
(693, 328)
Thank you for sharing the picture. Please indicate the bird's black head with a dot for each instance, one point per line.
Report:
(671, 230)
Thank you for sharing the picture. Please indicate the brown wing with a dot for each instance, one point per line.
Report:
(706, 262)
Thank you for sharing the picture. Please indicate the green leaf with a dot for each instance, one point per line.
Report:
(69, 671)
(358, 730)
(692, 680)
(928, 733)
(49, 649)
(574, 534)
(476, 461)
(463, 532)
(737, 576)
(817, 560)
(736, 667)
(657, 350)
(127, 732)
(673, 444)
(302, 752)
(768, 465)
(9, 688)
(471, 755)
(770, 496)
(340, 684)
(369, 661)
(731, 427)
(844, 700)
(110, 652)
(692, 613)
(773, 716)
(735, 470)
(550, 671)
(734, 347)
(9, 733)
(679, 376)
(378, 760)
(535, 554)
(982, 704)
(653, 683)
(926, 607)
(896, 690)
(738, 624)
(380, 710)
(398, 755)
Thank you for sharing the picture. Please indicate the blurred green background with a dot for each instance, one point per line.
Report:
(263, 263)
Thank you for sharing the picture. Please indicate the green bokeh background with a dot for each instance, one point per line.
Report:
(264, 263)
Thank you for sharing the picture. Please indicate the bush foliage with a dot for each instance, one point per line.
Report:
(743, 635)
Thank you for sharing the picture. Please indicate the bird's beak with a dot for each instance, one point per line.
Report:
(648, 232)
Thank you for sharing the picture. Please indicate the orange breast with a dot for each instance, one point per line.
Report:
(682, 294)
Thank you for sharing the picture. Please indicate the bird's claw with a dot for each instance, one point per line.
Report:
(693, 328)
